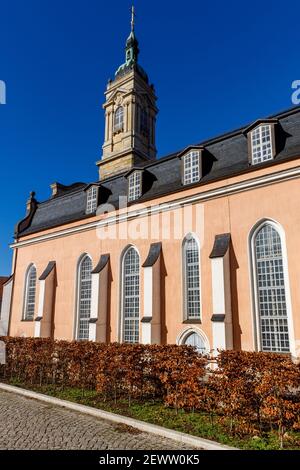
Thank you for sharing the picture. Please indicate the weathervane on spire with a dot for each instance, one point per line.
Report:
(132, 18)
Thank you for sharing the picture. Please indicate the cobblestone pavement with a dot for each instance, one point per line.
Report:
(31, 424)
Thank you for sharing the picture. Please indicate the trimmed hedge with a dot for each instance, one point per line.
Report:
(251, 392)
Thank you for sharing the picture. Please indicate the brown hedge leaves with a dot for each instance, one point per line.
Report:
(249, 392)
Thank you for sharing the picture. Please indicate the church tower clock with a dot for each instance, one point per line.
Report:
(130, 116)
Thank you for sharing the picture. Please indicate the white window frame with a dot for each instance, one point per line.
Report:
(78, 296)
(25, 315)
(254, 290)
(262, 144)
(186, 314)
(134, 186)
(92, 200)
(192, 167)
(119, 119)
(183, 336)
(122, 304)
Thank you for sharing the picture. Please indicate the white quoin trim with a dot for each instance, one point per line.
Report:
(221, 296)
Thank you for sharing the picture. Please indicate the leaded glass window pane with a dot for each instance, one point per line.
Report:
(30, 294)
(119, 119)
(196, 341)
(191, 168)
(85, 296)
(273, 320)
(134, 186)
(192, 279)
(131, 296)
(92, 200)
(261, 139)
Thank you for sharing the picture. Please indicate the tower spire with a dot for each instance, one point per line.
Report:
(131, 52)
(132, 18)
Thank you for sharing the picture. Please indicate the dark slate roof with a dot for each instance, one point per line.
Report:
(223, 156)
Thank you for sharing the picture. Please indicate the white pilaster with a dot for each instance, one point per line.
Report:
(221, 296)
(43, 327)
(41, 305)
(151, 321)
(98, 319)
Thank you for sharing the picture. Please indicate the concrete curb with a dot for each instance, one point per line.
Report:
(196, 442)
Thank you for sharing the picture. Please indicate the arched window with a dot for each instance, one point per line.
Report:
(191, 279)
(84, 298)
(131, 296)
(119, 119)
(30, 293)
(272, 315)
(195, 340)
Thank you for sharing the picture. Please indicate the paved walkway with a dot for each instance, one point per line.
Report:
(31, 424)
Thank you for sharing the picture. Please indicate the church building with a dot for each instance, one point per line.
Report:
(199, 247)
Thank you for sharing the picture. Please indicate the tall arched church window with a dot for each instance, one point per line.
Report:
(191, 279)
(119, 119)
(131, 296)
(273, 327)
(30, 293)
(84, 298)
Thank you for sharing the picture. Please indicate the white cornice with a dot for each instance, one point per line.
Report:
(227, 190)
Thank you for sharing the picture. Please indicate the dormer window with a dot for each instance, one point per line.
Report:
(92, 200)
(191, 167)
(261, 144)
(119, 119)
(261, 136)
(134, 186)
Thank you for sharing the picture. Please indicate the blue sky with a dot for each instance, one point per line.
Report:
(215, 65)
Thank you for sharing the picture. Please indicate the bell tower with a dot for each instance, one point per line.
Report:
(130, 115)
